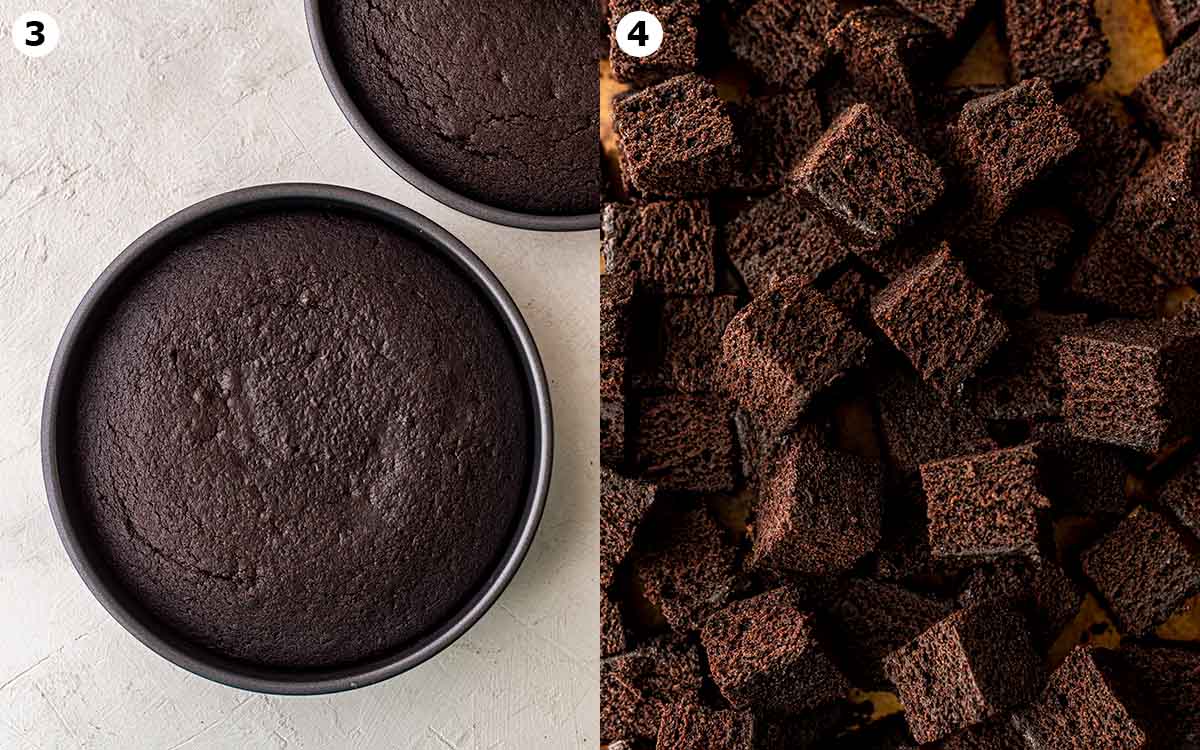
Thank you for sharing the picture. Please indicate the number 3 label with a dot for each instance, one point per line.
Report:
(639, 34)
(35, 34)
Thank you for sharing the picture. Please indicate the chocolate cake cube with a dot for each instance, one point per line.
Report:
(1110, 151)
(1159, 214)
(938, 318)
(1145, 569)
(918, 426)
(691, 572)
(616, 294)
(774, 132)
(1019, 257)
(819, 512)
(679, 52)
(850, 291)
(1058, 40)
(996, 734)
(1051, 600)
(1024, 380)
(677, 341)
(1006, 142)
(951, 17)
(940, 110)
(612, 627)
(884, 52)
(1080, 477)
(686, 443)
(1181, 496)
(764, 652)
(623, 504)
(1131, 383)
(1084, 705)
(690, 726)
(612, 411)
(1177, 19)
(1114, 278)
(667, 247)
(785, 348)
(1169, 96)
(971, 666)
(778, 237)
(872, 619)
(638, 687)
(867, 180)
(784, 41)
(676, 138)
(1169, 681)
(985, 506)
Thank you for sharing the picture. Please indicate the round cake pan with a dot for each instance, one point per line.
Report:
(402, 167)
(57, 420)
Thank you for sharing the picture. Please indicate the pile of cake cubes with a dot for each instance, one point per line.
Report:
(900, 382)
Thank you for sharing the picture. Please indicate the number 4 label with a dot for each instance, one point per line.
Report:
(35, 34)
(639, 34)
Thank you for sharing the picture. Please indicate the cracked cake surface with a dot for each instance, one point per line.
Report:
(301, 438)
(452, 87)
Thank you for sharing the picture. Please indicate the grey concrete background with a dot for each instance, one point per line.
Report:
(145, 108)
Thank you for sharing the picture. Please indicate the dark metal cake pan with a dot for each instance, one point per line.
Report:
(401, 166)
(57, 419)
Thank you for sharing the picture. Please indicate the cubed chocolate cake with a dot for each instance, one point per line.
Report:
(779, 237)
(1058, 40)
(1024, 380)
(1131, 383)
(690, 726)
(774, 131)
(987, 505)
(883, 52)
(691, 572)
(1114, 278)
(866, 179)
(819, 511)
(1168, 679)
(1177, 19)
(784, 41)
(616, 295)
(638, 687)
(667, 247)
(971, 666)
(1084, 706)
(764, 652)
(870, 619)
(1145, 569)
(784, 349)
(677, 341)
(679, 52)
(938, 318)
(1169, 96)
(612, 627)
(1159, 214)
(951, 17)
(676, 138)
(1181, 496)
(623, 504)
(275, 402)
(918, 427)
(612, 410)
(686, 442)
(1110, 151)
(1006, 142)
(457, 94)
(1080, 477)
(1018, 259)
(1039, 585)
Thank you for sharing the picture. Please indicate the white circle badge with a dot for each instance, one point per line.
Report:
(35, 34)
(639, 34)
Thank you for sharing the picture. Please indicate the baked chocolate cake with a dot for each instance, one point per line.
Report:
(301, 439)
(453, 87)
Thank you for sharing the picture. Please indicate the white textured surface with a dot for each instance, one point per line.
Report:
(145, 108)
